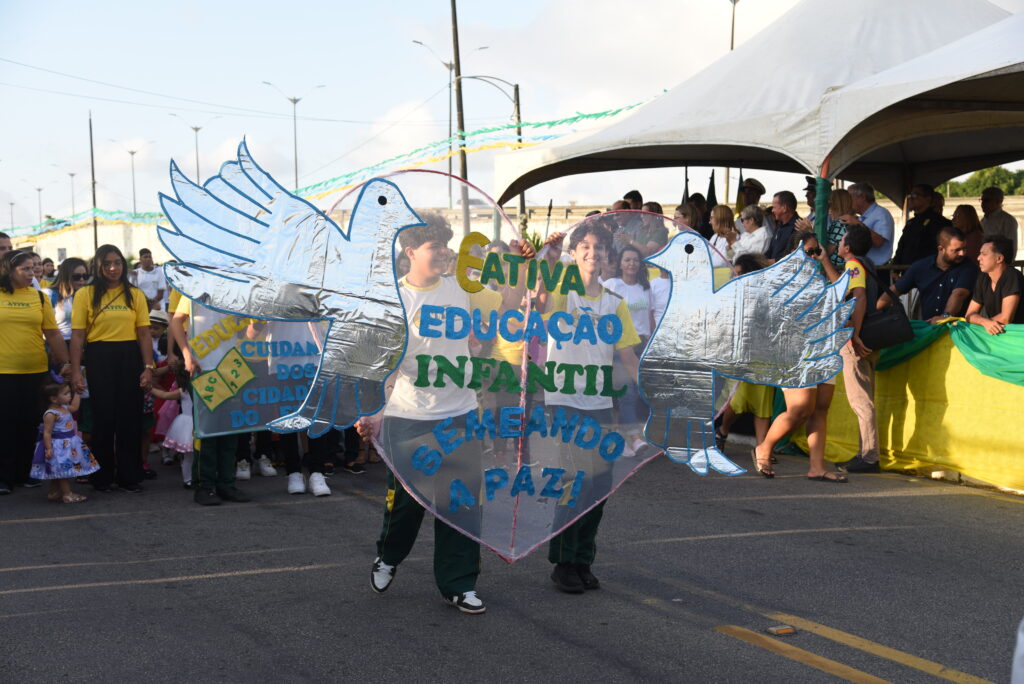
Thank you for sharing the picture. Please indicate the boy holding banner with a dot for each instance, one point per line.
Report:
(573, 550)
(411, 414)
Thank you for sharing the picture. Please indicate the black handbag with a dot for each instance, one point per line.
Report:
(887, 327)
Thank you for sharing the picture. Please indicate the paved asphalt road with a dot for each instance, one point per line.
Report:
(887, 578)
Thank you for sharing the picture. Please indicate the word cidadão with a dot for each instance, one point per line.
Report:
(548, 422)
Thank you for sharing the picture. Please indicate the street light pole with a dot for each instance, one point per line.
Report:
(135, 210)
(295, 125)
(196, 129)
(295, 136)
(517, 115)
(72, 175)
(12, 215)
(39, 197)
(450, 67)
(463, 170)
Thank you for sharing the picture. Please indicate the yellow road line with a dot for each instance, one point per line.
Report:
(801, 656)
(851, 640)
(861, 644)
(165, 580)
(770, 533)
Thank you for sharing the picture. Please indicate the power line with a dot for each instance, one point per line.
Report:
(378, 134)
(245, 110)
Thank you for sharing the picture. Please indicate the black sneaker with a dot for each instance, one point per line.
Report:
(328, 469)
(468, 602)
(567, 579)
(31, 483)
(857, 465)
(133, 488)
(148, 474)
(587, 577)
(206, 497)
(353, 468)
(233, 494)
(4, 487)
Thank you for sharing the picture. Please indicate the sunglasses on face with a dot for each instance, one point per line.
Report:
(813, 252)
(78, 276)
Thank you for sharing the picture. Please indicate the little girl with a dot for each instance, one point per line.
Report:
(60, 454)
(179, 438)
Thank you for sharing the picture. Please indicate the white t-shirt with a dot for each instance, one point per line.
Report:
(721, 249)
(432, 403)
(585, 353)
(62, 310)
(150, 282)
(639, 300)
(751, 243)
(661, 288)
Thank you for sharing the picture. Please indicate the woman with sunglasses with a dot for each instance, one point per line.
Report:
(26, 319)
(71, 276)
(110, 323)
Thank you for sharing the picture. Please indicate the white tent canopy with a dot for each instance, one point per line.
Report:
(800, 89)
(953, 110)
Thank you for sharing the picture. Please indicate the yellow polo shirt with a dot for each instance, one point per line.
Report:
(114, 320)
(23, 317)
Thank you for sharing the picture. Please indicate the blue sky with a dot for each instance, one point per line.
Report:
(568, 56)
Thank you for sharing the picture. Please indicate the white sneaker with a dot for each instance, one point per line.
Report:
(242, 472)
(381, 575)
(318, 485)
(296, 483)
(467, 602)
(266, 469)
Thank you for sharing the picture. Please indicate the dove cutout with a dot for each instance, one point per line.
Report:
(781, 326)
(247, 246)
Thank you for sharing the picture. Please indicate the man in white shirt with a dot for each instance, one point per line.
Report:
(876, 219)
(150, 279)
(996, 221)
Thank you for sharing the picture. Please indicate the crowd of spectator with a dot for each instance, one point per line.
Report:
(89, 354)
(113, 335)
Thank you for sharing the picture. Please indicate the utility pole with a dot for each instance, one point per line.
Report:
(12, 215)
(461, 119)
(732, 43)
(39, 197)
(92, 167)
(519, 138)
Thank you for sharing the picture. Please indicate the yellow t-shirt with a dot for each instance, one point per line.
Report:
(114, 320)
(23, 317)
(858, 277)
(172, 301)
(182, 306)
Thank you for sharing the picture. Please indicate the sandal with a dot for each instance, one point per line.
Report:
(720, 439)
(837, 479)
(54, 497)
(73, 498)
(767, 472)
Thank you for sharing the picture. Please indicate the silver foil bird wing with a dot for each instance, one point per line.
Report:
(247, 246)
(779, 326)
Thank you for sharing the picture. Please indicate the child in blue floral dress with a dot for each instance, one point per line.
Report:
(60, 454)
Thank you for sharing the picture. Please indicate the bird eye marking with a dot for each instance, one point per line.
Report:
(688, 249)
(382, 200)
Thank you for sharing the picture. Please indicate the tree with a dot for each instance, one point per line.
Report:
(1010, 182)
